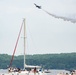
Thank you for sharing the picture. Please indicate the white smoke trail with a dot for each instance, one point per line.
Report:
(60, 17)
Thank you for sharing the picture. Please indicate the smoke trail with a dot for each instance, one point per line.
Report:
(60, 17)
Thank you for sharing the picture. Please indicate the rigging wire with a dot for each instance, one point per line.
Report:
(31, 39)
(16, 45)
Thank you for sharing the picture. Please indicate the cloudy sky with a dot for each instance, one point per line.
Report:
(45, 33)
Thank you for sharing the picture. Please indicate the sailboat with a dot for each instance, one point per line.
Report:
(33, 70)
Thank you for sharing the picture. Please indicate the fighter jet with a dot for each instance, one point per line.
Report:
(37, 6)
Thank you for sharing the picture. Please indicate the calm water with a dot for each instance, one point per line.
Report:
(53, 71)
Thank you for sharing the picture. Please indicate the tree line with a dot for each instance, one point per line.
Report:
(47, 61)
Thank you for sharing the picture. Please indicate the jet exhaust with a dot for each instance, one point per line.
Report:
(73, 20)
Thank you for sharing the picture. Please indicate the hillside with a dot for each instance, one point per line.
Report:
(48, 61)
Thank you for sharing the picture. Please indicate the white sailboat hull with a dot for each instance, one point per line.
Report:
(24, 73)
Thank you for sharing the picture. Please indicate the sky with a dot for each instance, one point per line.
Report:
(52, 32)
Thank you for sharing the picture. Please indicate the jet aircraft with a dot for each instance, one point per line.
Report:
(37, 6)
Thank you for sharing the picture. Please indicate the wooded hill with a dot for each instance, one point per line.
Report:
(47, 61)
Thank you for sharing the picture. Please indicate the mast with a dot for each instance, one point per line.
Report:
(24, 40)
